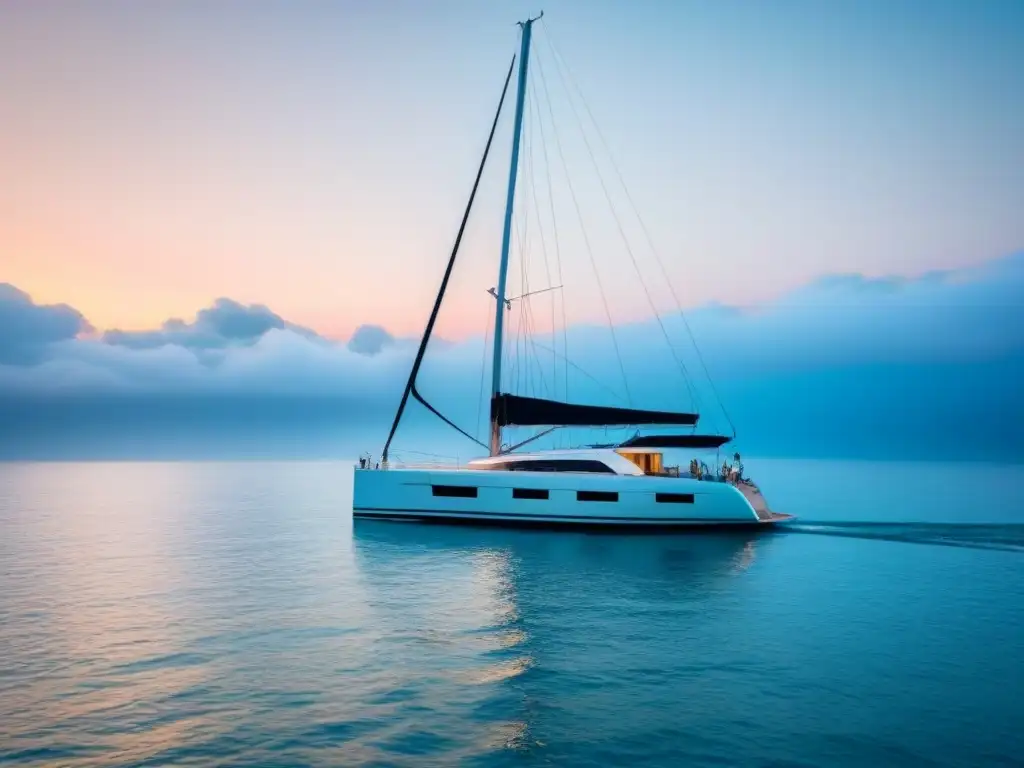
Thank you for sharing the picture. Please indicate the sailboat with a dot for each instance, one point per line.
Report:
(625, 484)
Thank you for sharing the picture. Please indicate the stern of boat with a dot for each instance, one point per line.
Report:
(758, 503)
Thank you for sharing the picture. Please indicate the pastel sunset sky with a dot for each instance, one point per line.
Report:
(316, 157)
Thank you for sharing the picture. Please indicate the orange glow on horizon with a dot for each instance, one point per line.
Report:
(323, 170)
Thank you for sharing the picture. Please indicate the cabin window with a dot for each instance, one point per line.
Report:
(674, 498)
(555, 465)
(456, 491)
(649, 463)
(529, 493)
(596, 496)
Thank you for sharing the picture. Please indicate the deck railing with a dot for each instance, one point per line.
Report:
(418, 460)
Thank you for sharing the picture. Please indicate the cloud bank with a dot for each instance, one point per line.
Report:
(370, 340)
(225, 324)
(28, 329)
(919, 367)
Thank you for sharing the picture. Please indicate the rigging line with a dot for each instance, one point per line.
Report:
(525, 252)
(528, 350)
(566, 434)
(530, 346)
(533, 350)
(513, 356)
(527, 303)
(650, 240)
(594, 379)
(531, 336)
(511, 352)
(520, 250)
(618, 224)
(508, 355)
(554, 230)
(539, 383)
(520, 344)
(483, 370)
(442, 417)
(424, 453)
(586, 239)
(534, 293)
(410, 385)
(540, 229)
(537, 436)
(526, 306)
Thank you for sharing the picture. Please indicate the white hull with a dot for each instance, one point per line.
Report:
(578, 499)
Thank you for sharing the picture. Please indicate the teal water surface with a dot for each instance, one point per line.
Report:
(231, 614)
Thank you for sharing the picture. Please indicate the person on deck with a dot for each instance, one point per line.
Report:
(737, 468)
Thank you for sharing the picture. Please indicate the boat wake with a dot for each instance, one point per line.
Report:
(1007, 537)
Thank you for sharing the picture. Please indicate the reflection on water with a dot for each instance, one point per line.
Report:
(212, 613)
(491, 607)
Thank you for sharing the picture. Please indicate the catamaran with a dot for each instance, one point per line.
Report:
(624, 484)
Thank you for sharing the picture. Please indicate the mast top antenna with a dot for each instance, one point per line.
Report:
(530, 21)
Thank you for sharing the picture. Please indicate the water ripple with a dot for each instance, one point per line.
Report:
(1001, 536)
(230, 614)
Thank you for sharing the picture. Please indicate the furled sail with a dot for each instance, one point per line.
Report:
(514, 410)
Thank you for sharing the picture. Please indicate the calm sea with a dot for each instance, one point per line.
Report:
(231, 614)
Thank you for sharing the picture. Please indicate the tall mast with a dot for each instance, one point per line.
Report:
(506, 235)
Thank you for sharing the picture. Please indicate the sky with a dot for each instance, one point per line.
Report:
(317, 157)
(233, 217)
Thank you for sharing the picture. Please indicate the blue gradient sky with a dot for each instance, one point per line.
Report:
(316, 157)
(209, 199)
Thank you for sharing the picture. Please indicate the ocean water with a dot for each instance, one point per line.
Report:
(231, 614)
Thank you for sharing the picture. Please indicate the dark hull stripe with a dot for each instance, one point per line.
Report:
(516, 517)
(555, 525)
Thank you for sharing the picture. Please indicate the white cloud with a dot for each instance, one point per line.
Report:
(962, 317)
(370, 340)
(224, 324)
(26, 328)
